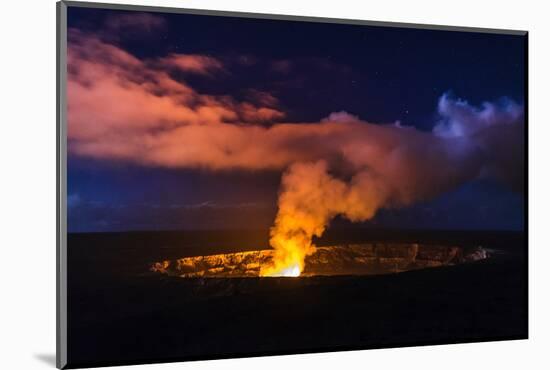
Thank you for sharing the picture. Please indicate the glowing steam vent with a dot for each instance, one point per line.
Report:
(289, 255)
(309, 199)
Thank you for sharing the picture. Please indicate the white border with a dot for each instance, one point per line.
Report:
(28, 166)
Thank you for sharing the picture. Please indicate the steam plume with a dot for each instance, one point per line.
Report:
(395, 167)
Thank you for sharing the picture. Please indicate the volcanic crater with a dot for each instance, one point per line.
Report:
(349, 259)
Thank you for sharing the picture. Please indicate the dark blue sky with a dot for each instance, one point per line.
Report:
(379, 74)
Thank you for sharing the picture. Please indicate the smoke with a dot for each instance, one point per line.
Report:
(393, 166)
(309, 199)
(497, 130)
(126, 109)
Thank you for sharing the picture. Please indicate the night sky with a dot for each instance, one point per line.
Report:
(308, 71)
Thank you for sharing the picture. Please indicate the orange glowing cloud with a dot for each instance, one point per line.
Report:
(112, 94)
(121, 107)
(199, 64)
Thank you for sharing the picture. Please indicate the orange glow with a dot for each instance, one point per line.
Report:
(361, 259)
(193, 63)
(291, 271)
(291, 245)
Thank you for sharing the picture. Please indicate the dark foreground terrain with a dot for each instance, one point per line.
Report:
(119, 312)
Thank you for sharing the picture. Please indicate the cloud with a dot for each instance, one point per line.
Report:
(134, 22)
(281, 66)
(341, 116)
(118, 103)
(496, 128)
(127, 109)
(262, 98)
(192, 63)
(459, 118)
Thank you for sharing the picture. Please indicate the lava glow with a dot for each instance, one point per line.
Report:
(291, 248)
(349, 259)
(291, 271)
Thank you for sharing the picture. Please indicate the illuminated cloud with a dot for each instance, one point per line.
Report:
(262, 98)
(128, 109)
(458, 118)
(199, 64)
(123, 102)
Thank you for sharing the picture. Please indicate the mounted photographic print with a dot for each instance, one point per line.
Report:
(234, 184)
